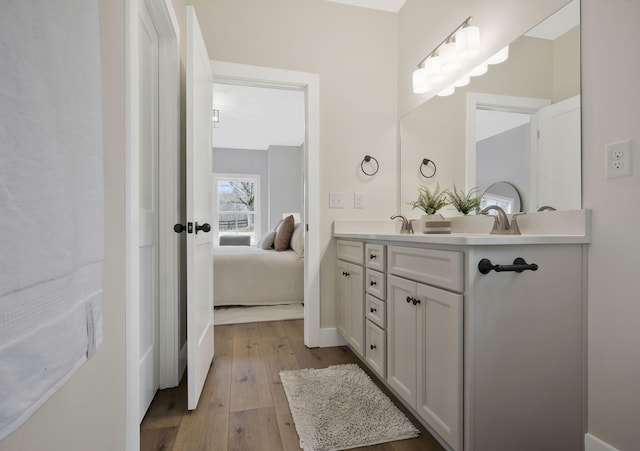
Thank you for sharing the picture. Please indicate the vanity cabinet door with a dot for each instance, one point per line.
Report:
(376, 348)
(350, 304)
(402, 338)
(439, 391)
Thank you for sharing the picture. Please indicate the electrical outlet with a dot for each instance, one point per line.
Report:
(618, 159)
(336, 200)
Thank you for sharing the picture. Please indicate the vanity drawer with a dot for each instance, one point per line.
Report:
(434, 267)
(374, 256)
(374, 283)
(376, 311)
(350, 251)
(376, 350)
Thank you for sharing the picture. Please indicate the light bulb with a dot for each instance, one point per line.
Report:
(449, 54)
(463, 81)
(468, 40)
(499, 57)
(420, 84)
(433, 69)
(479, 70)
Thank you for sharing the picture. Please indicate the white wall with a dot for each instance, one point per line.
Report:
(354, 52)
(610, 113)
(88, 412)
(286, 189)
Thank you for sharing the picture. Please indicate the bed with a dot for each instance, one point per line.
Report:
(245, 275)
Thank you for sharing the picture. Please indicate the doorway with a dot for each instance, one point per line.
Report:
(233, 73)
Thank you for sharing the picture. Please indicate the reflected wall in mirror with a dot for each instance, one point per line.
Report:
(520, 123)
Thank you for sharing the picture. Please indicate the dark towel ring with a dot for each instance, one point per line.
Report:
(367, 159)
(425, 162)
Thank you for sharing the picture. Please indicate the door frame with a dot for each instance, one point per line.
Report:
(310, 83)
(164, 19)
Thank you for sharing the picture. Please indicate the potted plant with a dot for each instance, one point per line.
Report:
(430, 201)
(464, 203)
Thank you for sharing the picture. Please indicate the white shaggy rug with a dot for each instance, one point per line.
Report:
(340, 407)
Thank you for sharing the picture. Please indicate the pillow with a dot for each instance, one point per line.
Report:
(267, 240)
(297, 239)
(283, 234)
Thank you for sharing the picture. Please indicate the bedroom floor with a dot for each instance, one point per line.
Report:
(243, 405)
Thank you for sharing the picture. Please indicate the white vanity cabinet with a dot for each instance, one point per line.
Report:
(350, 294)
(425, 337)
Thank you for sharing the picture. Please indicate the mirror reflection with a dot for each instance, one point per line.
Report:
(504, 195)
(518, 123)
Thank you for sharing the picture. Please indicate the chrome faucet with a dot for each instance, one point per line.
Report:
(501, 224)
(406, 227)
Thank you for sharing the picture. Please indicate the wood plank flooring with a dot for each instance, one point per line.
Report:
(243, 405)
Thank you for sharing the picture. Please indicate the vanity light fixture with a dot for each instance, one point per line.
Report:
(462, 43)
(447, 91)
(480, 69)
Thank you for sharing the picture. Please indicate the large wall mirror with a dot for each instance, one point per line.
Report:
(518, 123)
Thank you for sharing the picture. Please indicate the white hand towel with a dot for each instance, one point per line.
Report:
(51, 199)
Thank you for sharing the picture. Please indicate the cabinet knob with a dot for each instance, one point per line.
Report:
(373, 283)
(416, 301)
(408, 299)
(346, 274)
(373, 310)
(372, 256)
(373, 347)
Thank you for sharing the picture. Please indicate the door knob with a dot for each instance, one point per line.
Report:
(179, 228)
(204, 227)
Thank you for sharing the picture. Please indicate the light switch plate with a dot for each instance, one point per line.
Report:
(358, 200)
(336, 200)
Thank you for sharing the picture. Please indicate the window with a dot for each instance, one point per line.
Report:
(236, 209)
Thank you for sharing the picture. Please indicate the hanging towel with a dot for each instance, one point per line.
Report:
(51, 199)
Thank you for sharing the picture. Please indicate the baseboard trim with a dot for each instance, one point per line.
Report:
(593, 443)
(330, 337)
(182, 361)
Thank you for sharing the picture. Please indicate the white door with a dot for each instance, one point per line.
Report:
(199, 211)
(148, 211)
(559, 153)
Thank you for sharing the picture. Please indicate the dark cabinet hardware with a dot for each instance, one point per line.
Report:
(179, 228)
(373, 347)
(346, 274)
(519, 264)
(204, 227)
(373, 283)
(373, 310)
(408, 299)
(372, 257)
(415, 301)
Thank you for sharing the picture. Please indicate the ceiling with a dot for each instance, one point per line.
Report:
(383, 5)
(257, 117)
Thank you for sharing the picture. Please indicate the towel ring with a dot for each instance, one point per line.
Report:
(425, 162)
(367, 159)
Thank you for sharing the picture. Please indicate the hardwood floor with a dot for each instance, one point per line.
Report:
(243, 405)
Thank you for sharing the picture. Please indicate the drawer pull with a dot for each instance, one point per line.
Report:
(408, 299)
(372, 256)
(373, 283)
(346, 274)
(373, 347)
(373, 310)
(415, 301)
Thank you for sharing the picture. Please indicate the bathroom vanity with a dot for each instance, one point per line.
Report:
(490, 360)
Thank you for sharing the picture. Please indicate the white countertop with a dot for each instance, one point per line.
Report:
(566, 227)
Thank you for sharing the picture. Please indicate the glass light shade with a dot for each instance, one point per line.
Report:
(499, 57)
(420, 84)
(468, 40)
(433, 69)
(447, 91)
(463, 81)
(479, 70)
(449, 54)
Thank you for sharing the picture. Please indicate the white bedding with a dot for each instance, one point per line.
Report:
(246, 275)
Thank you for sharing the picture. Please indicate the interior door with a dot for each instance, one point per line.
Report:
(199, 211)
(559, 155)
(148, 211)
